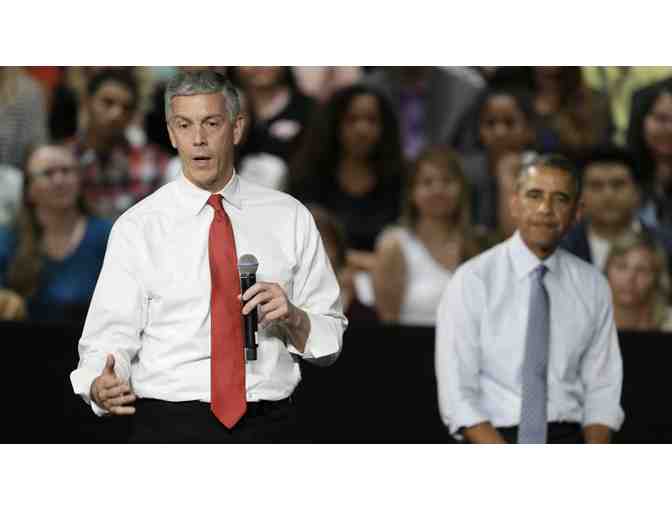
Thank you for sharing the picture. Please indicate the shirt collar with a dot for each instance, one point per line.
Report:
(524, 261)
(196, 198)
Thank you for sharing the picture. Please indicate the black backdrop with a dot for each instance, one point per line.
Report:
(381, 390)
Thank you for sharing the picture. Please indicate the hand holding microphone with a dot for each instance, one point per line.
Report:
(272, 302)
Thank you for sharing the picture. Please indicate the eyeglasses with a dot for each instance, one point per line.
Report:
(51, 172)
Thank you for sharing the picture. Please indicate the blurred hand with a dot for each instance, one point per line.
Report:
(111, 393)
(12, 306)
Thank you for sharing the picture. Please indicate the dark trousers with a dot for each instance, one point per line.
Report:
(157, 421)
(558, 433)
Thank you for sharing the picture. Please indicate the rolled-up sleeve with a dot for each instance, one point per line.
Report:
(114, 320)
(457, 351)
(602, 367)
(316, 291)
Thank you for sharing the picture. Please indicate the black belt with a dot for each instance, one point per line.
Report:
(258, 408)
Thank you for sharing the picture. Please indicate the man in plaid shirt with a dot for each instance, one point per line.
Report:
(117, 173)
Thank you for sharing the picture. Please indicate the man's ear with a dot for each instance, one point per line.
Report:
(514, 206)
(579, 212)
(171, 135)
(239, 126)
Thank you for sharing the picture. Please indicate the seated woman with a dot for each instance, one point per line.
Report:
(640, 283)
(51, 257)
(416, 260)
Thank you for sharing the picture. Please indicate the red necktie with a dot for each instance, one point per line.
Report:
(227, 365)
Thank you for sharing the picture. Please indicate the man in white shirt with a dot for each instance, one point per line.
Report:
(147, 342)
(492, 305)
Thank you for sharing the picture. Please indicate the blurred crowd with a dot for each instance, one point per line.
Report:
(407, 172)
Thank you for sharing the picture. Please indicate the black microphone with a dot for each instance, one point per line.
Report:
(247, 267)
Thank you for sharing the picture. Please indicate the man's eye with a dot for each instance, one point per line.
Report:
(213, 123)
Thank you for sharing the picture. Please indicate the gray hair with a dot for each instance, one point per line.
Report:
(202, 82)
(556, 161)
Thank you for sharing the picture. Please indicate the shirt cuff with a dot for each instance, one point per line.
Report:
(465, 417)
(325, 338)
(614, 420)
(81, 380)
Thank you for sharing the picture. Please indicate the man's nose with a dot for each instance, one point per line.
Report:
(546, 206)
(199, 136)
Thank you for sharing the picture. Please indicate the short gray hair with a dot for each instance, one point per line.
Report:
(202, 82)
(555, 161)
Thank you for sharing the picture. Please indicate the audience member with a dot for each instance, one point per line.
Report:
(431, 103)
(336, 246)
(52, 256)
(23, 115)
(117, 173)
(650, 140)
(416, 260)
(611, 199)
(505, 119)
(639, 277)
(277, 111)
(351, 164)
(619, 83)
(572, 118)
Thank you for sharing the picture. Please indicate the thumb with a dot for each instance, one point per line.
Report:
(109, 365)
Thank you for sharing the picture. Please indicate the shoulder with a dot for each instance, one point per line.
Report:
(392, 238)
(485, 264)
(7, 238)
(256, 195)
(583, 275)
(149, 211)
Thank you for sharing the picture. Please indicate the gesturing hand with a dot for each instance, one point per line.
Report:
(111, 393)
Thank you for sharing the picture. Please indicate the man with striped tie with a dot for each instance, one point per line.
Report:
(526, 345)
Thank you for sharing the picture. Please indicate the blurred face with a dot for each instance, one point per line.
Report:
(54, 180)
(503, 126)
(262, 77)
(362, 126)
(507, 171)
(111, 109)
(544, 207)
(436, 192)
(658, 127)
(632, 277)
(610, 196)
(204, 137)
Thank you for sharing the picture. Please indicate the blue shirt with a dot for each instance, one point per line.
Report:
(66, 286)
(480, 341)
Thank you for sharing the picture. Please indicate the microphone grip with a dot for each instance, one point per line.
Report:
(250, 321)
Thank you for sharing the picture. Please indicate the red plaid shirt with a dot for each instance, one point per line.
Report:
(129, 174)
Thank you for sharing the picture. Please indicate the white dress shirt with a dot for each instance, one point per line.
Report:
(480, 342)
(151, 306)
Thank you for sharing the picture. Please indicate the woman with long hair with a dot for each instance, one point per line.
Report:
(351, 163)
(53, 254)
(650, 141)
(416, 260)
